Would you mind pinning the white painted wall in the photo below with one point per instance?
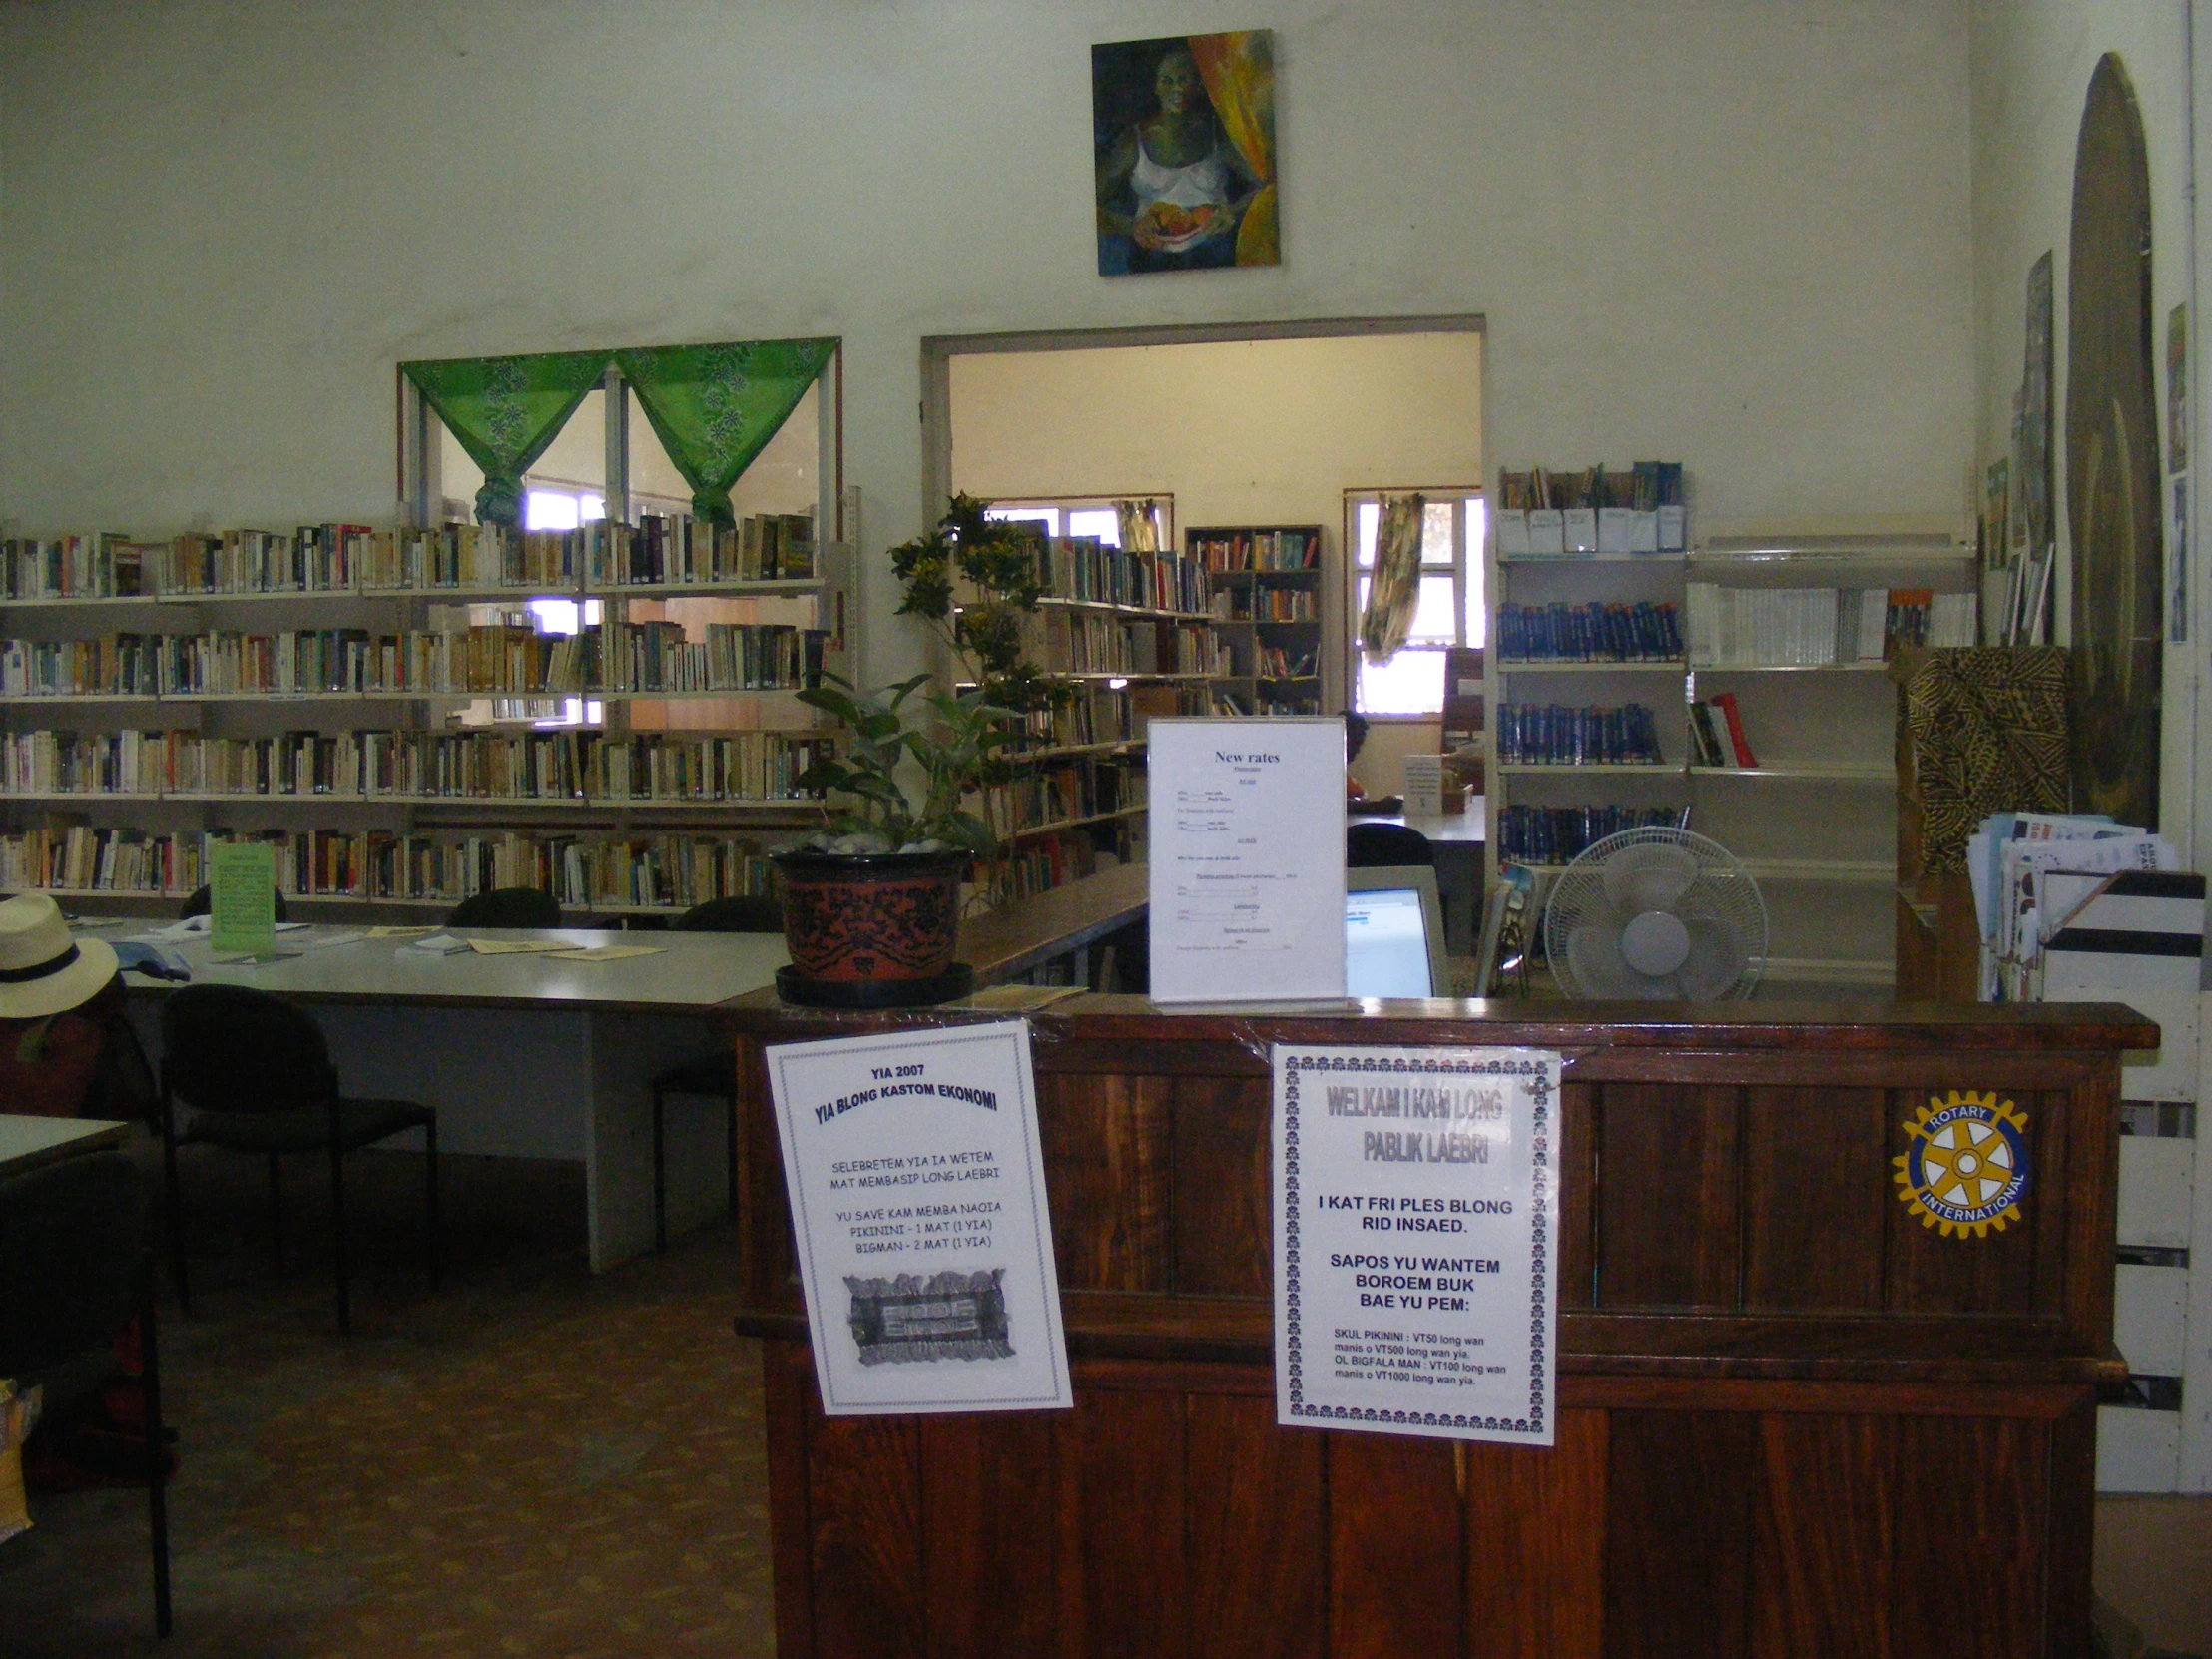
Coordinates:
(1730, 231)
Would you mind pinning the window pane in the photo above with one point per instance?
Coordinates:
(593, 507)
(1046, 519)
(1435, 533)
(1411, 683)
(549, 510)
(1365, 517)
(554, 616)
(1433, 617)
(1102, 522)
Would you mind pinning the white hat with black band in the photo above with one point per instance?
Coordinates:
(43, 970)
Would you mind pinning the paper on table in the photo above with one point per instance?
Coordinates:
(399, 932)
(519, 947)
(607, 952)
(440, 944)
(326, 941)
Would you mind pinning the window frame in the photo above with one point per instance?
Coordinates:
(1065, 504)
(1469, 587)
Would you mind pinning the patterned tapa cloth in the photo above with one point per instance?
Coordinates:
(1987, 728)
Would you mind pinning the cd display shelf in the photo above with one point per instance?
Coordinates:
(652, 846)
(1814, 821)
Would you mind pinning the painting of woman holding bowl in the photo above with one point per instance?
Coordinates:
(1185, 134)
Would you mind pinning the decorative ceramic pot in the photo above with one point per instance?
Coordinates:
(872, 930)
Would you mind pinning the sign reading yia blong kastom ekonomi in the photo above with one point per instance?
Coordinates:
(916, 1185)
(1415, 1240)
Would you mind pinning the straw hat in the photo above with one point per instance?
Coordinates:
(42, 969)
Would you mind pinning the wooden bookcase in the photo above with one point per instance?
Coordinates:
(1264, 586)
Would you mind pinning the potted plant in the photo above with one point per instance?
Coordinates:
(872, 902)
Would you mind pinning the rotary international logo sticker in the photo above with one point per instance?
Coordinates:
(1965, 1165)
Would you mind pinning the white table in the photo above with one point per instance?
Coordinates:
(28, 1140)
(524, 1056)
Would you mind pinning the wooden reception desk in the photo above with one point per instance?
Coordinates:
(1794, 1421)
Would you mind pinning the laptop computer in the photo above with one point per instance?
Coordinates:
(1395, 933)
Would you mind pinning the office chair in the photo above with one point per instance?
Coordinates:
(74, 1267)
(711, 1074)
(200, 902)
(255, 1075)
(507, 908)
(1385, 846)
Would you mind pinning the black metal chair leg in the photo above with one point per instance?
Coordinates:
(436, 1247)
(157, 1443)
(659, 1175)
(337, 1232)
(277, 1213)
(172, 1209)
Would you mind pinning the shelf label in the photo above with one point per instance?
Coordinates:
(1417, 1219)
(916, 1185)
(1247, 832)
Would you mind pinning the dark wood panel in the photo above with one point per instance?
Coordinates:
(1816, 1179)
(864, 1503)
(1223, 1222)
(1679, 1489)
(1970, 1507)
(2070, 1530)
(1393, 1521)
(2053, 1131)
(1667, 1196)
(989, 1515)
(1535, 1534)
(1257, 1531)
(1823, 1537)
(1578, 1114)
(787, 1386)
(1128, 1504)
(1962, 1273)
(1106, 1151)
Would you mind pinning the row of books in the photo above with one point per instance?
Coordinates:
(1645, 488)
(1554, 835)
(1078, 643)
(1085, 569)
(1717, 733)
(1645, 632)
(668, 871)
(1259, 603)
(1555, 735)
(1029, 868)
(578, 767)
(639, 657)
(1816, 626)
(660, 550)
(1051, 796)
(1275, 663)
(1257, 549)
(1231, 704)
(1547, 515)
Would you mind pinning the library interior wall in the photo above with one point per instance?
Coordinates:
(1733, 232)
(2030, 66)
(1267, 431)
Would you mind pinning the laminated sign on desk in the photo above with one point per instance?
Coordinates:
(916, 1185)
(1417, 1219)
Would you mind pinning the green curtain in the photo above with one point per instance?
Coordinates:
(716, 406)
(504, 411)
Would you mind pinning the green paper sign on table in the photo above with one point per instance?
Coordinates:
(243, 898)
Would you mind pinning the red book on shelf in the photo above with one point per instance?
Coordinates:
(1725, 703)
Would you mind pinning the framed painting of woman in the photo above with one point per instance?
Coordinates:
(1184, 129)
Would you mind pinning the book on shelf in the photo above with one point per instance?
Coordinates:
(1557, 835)
(1820, 627)
(1556, 734)
(1257, 550)
(1597, 632)
(1732, 718)
(1717, 733)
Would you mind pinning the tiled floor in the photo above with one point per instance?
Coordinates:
(530, 1462)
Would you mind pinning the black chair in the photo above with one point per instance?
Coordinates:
(74, 1267)
(255, 1075)
(712, 1075)
(200, 900)
(1385, 847)
(507, 908)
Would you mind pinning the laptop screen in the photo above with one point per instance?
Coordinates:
(1385, 943)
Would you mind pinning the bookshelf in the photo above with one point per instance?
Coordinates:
(389, 709)
(1263, 590)
(1778, 625)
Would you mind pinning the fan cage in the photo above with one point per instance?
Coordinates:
(1721, 878)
